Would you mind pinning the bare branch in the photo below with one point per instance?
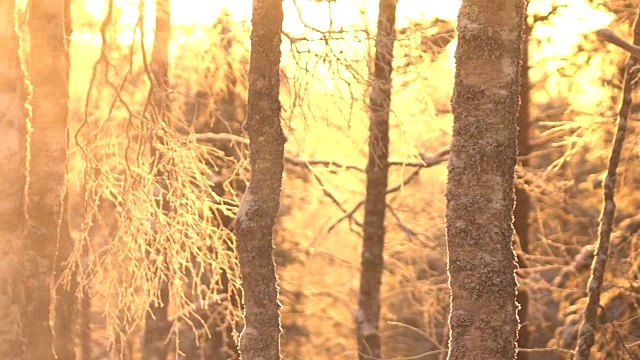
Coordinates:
(426, 160)
(305, 163)
(609, 36)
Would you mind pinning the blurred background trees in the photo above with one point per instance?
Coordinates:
(141, 222)
(48, 241)
(13, 179)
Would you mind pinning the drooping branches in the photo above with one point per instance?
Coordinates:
(157, 323)
(148, 219)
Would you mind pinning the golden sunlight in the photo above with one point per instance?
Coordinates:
(572, 18)
(170, 117)
(298, 13)
(563, 29)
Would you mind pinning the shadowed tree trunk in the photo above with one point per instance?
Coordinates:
(157, 322)
(481, 262)
(523, 202)
(48, 239)
(13, 149)
(259, 207)
(368, 314)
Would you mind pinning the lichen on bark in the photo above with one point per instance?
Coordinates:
(480, 191)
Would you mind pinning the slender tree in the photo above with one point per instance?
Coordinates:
(368, 314)
(157, 323)
(481, 262)
(259, 207)
(590, 324)
(14, 91)
(48, 239)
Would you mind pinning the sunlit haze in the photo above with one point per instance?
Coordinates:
(382, 164)
(558, 36)
(314, 13)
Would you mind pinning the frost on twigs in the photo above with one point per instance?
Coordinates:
(129, 242)
(143, 245)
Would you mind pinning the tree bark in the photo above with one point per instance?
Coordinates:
(523, 201)
(157, 322)
(14, 91)
(372, 260)
(260, 204)
(48, 239)
(481, 262)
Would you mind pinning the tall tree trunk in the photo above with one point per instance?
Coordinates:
(157, 323)
(481, 262)
(368, 314)
(48, 239)
(14, 91)
(259, 207)
(523, 202)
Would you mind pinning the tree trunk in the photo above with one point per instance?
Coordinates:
(481, 262)
(260, 204)
(368, 314)
(48, 240)
(13, 149)
(157, 323)
(523, 202)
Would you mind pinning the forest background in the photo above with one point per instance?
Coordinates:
(137, 244)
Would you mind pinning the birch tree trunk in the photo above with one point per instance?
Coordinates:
(48, 240)
(13, 149)
(372, 260)
(259, 207)
(481, 262)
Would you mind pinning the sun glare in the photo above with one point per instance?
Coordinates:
(298, 13)
(559, 34)
(571, 20)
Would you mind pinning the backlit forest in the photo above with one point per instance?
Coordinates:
(319, 179)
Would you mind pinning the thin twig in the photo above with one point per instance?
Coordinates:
(401, 224)
(332, 197)
(617, 333)
(396, 188)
